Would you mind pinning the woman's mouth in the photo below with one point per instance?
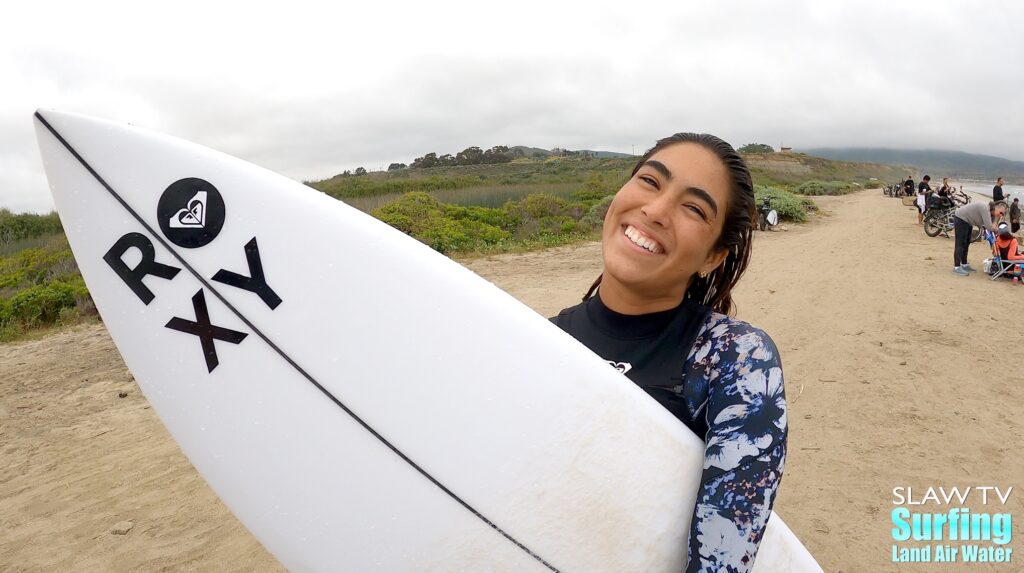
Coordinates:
(633, 235)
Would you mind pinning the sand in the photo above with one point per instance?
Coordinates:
(897, 374)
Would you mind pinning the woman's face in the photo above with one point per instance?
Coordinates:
(662, 226)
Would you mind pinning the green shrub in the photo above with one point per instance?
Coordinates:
(42, 304)
(594, 219)
(26, 225)
(366, 186)
(789, 206)
(538, 205)
(825, 188)
(595, 190)
(499, 218)
(445, 228)
(37, 265)
(5, 311)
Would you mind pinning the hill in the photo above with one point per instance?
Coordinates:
(791, 169)
(939, 163)
(784, 170)
(536, 152)
(523, 151)
(605, 154)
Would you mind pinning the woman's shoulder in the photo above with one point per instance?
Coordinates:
(728, 339)
(725, 328)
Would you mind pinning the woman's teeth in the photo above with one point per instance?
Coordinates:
(638, 239)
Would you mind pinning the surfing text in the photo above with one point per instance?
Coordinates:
(993, 529)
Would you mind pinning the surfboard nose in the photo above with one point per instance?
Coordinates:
(56, 119)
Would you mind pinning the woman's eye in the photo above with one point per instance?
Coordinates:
(649, 180)
(696, 209)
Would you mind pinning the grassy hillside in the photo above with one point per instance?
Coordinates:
(937, 163)
(522, 205)
(519, 172)
(792, 169)
(777, 169)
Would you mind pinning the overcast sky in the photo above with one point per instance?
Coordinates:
(309, 90)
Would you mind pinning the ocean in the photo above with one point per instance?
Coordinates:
(984, 189)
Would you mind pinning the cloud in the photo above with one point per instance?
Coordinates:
(309, 92)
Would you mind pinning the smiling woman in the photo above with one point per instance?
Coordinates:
(675, 241)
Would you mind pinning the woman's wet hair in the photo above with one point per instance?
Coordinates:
(715, 290)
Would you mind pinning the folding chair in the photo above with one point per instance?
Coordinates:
(1002, 266)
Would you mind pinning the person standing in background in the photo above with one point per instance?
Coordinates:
(908, 186)
(944, 189)
(1015, 215)
(997, 191)
(924, 192)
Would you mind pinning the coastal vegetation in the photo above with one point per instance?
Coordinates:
(40, 286)
(499, 200)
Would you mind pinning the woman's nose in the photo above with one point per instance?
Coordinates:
(657, 209)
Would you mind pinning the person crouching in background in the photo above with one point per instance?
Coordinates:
(1006, 248)
(964, 220)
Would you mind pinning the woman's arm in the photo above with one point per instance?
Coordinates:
(1014, 251)
(745, 449)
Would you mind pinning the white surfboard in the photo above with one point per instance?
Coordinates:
(359, 401)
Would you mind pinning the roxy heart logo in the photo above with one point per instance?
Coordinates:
(193, 215)
(191, 212)
(621, 366)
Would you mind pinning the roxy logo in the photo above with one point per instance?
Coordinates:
(622, 367)
(191, 212)
(193, 215)
(201, 327)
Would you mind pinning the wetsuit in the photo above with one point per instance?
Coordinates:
(722, 378)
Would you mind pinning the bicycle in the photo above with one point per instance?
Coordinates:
(766, 216)
(938, 220)
(959, 197)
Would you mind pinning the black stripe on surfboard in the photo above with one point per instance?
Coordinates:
(282, 354)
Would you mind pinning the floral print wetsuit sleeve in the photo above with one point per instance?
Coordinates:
(734, 375)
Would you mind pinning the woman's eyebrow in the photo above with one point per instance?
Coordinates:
(705, 196)
(659, 167)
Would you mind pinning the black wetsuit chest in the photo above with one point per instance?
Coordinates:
(650, 349)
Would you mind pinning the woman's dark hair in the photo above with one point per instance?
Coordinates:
(715, 290)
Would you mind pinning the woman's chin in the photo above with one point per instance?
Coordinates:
(636, 281)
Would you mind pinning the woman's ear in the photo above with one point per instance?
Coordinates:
(714, 260)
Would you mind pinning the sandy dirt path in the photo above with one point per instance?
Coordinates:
(895, 376)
